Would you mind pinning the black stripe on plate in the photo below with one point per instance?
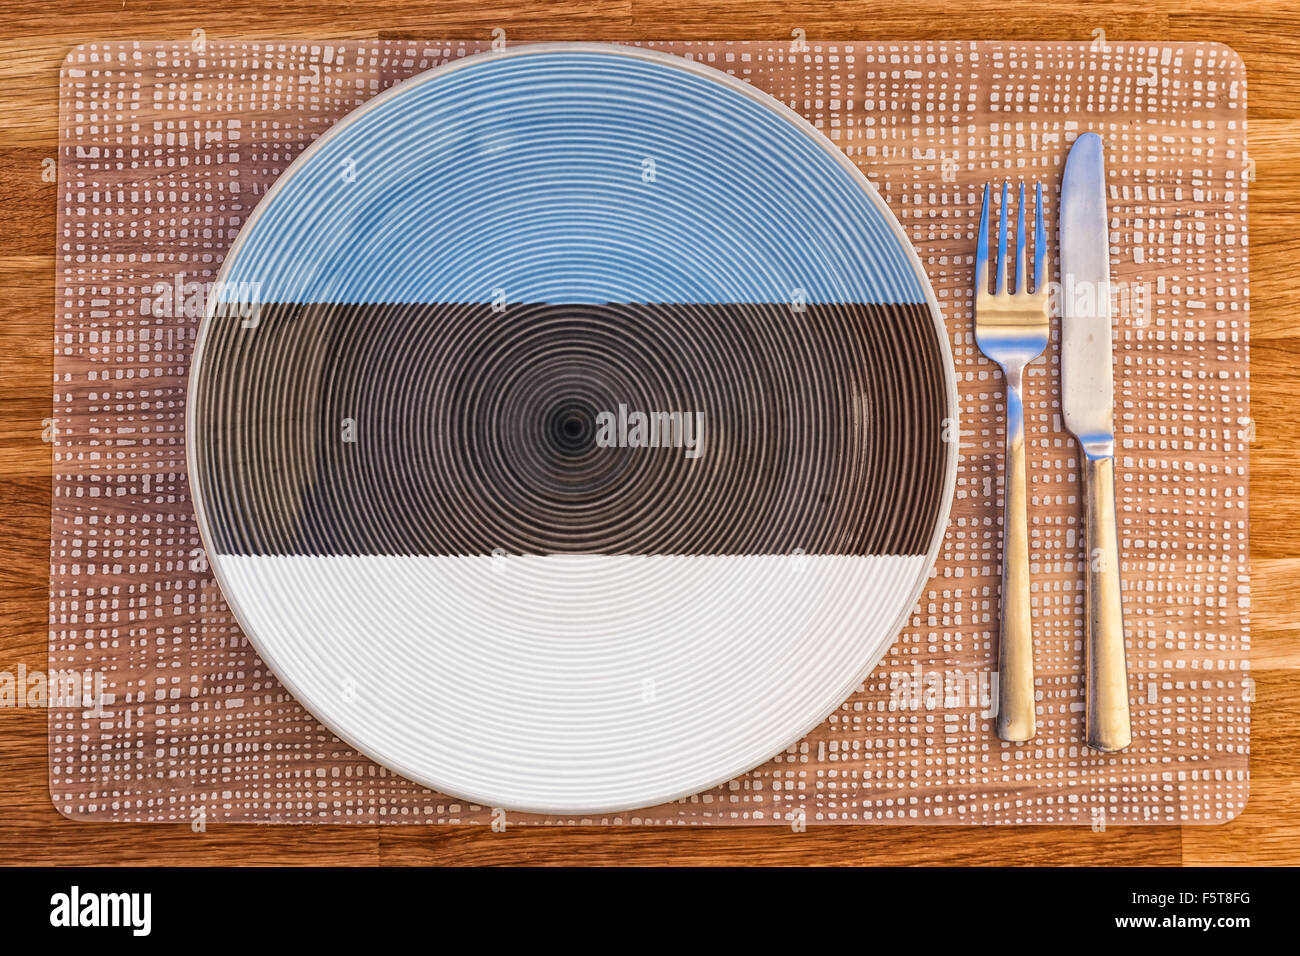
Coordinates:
(455, 429)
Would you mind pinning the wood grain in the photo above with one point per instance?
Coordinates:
(33, 41)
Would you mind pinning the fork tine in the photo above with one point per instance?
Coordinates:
(1021, 278)
(982, 248)
(1001, 274)
(1040, 244)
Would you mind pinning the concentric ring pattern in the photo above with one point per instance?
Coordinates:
(568, 428)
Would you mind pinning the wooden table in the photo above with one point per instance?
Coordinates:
(33, 41)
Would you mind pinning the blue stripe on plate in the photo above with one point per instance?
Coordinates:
(524, 177)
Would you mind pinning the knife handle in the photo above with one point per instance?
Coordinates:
(1016, 718)
(1108, 725)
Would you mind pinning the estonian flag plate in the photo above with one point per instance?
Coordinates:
(573, 428)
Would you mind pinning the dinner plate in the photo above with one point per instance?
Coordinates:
(572, 428)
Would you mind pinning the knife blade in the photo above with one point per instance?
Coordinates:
(1087, 405)
(1087, 384)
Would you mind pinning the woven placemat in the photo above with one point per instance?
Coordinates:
(160, 710)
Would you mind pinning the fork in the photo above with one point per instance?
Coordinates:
(1011, 329)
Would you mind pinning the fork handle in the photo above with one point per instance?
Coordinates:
(1016, 718)
(1108, 726)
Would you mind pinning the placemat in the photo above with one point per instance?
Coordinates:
(160, 710)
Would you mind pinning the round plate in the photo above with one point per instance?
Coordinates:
(568, 428)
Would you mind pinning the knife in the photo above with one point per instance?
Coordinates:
(1088, 402)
